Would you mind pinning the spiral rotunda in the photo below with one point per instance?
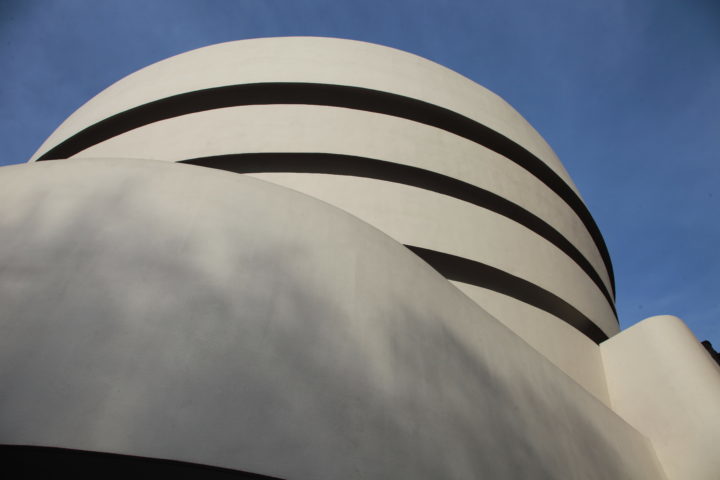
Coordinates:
(409, 270)
(434, 160)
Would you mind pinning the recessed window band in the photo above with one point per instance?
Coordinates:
(481, 275)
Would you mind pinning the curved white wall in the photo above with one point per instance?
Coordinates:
(560, 343)
(662, 381)
(185, 313)
(561, 258)
(310, 128)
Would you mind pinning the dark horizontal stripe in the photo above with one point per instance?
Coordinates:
(337, 96)
(51, 462)
(481, 275)
(393, 172)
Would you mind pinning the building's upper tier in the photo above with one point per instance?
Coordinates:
(311, 60)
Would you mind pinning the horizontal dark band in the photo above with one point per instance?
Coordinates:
(337, 96)
(481, 275)
(52, 462)
(393, 172)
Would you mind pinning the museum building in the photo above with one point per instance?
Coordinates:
(310, 258)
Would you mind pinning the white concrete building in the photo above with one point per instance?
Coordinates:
(385, 272)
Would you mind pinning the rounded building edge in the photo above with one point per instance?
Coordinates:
(144, 328)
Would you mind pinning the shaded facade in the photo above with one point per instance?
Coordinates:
(403, 281)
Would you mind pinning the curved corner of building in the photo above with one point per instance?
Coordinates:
(662, 381)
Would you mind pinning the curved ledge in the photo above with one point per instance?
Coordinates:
(336, 164)
(338, 96)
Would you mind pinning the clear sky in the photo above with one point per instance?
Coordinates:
(627, 92)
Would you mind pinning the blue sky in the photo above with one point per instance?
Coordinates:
(627, 92)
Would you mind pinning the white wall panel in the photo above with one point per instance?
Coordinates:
(664, 383)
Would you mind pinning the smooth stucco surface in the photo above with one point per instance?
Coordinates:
(560, 343)
(178, 312)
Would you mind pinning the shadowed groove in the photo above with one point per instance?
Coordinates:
(337, 96)
(481, 275)
(351, 165)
